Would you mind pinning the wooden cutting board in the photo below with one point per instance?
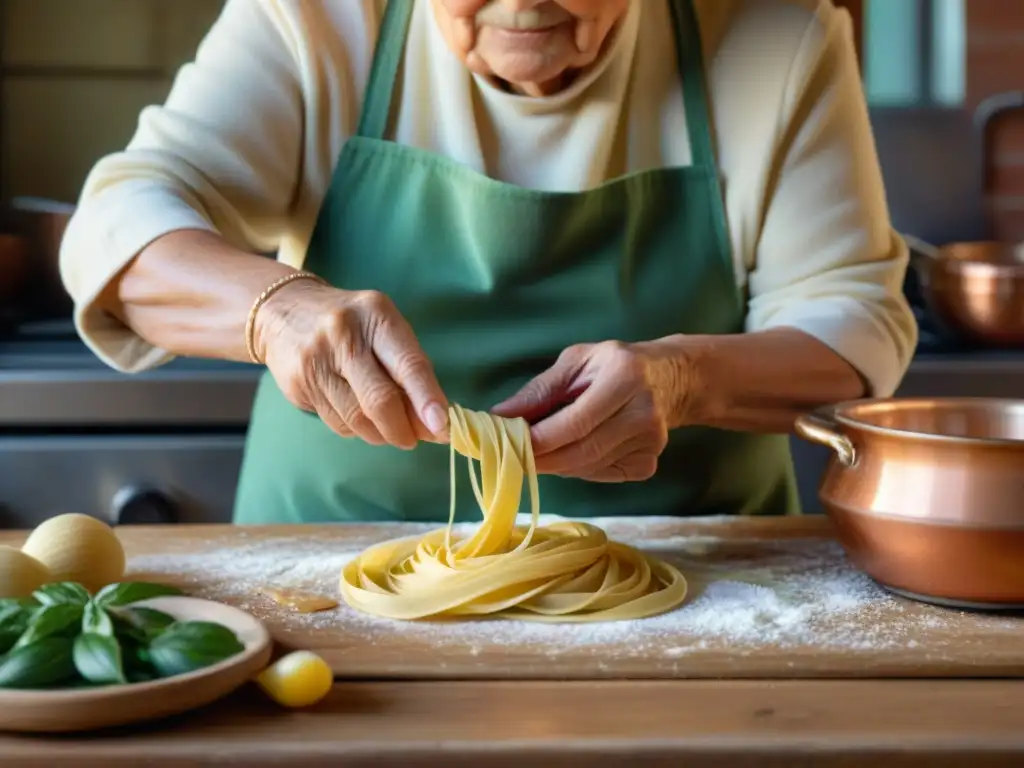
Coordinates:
(770, 598)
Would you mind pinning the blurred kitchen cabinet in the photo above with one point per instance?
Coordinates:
(76, 75)
(80, 33)
(57, 129)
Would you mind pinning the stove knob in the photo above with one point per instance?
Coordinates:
(142, 505)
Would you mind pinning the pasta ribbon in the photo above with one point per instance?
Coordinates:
(565, 572)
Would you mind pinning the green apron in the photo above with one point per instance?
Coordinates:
(496, 281)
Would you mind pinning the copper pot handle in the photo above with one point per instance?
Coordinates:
(820, 427)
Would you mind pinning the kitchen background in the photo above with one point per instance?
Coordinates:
(165, 446)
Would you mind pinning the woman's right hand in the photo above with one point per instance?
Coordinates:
(351, 357)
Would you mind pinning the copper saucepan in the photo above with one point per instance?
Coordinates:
(975, 289)
(927, 495)
(15, 267)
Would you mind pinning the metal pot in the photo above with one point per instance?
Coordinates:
(15, 267)
(43, 222)
(976, 290)
(31, 230)
(927, 495)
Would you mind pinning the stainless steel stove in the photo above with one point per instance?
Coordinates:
(75, 436)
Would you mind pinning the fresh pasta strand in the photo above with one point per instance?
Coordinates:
(566, 572)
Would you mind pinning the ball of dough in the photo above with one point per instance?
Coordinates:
(20, 574)
(78, 548)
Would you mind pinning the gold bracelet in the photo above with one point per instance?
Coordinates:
(274, 287)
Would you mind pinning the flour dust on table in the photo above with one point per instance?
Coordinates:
(747, 595)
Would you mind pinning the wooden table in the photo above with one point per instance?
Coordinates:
(792, 723)
(693, 723)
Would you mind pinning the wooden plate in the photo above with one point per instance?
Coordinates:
(91, 708)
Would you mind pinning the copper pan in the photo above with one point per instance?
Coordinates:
(15, 267)
(43, 222)
(976, 289)
(927, 495)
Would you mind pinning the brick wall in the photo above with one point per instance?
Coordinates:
(995, 64)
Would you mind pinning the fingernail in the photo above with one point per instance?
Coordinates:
(436, 419)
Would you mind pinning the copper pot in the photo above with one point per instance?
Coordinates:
(975, 289)
(927, 495)
(43, 222)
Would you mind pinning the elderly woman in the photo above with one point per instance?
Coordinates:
(656, 229)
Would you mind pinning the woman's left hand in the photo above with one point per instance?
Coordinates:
(602, 412)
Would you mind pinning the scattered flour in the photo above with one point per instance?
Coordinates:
(746, 596)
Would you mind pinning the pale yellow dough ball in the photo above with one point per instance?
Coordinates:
(78, 548)
(20, 574)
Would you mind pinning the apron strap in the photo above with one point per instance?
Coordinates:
(387, 59)
(695, 94)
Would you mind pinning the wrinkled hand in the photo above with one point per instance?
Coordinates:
(620, 400)
(351, 357)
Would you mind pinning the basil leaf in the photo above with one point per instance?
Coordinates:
(190, 645)
(96, 620)
(12, 626)
(10, 614)
(128, 592)
(98, 658)
(205, 633)
(23, 603)
(136, 660)
(66, 592)
(44, 663)
(50, 620)
(15, 615)
(141, 623)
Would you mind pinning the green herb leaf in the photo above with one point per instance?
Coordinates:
(9, 614)
(141, 623)
(50, 620)
(44, 663)
(96, 620)
(205, 633)
(66, 592)
(190, 645)
(12, 626)
(135, 656)
(24, 603)
(98, 658)
(132, 592)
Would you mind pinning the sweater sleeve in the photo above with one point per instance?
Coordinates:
(828, 261)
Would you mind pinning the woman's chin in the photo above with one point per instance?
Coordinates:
(522, 65)
(534, 78)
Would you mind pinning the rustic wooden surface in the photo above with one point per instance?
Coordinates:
(937, 642)
(783, 724)
(498, 723)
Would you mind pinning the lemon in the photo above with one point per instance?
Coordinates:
(299, 679)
